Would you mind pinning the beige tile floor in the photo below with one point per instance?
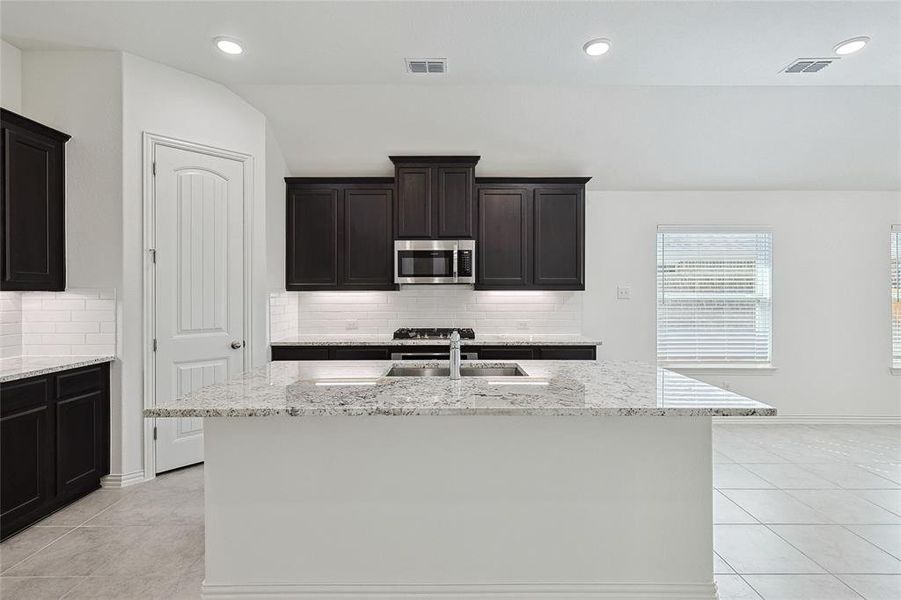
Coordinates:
(800, 512)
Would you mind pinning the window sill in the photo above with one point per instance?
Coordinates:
(723, 369)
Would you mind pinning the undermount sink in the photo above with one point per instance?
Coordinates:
(505, 371)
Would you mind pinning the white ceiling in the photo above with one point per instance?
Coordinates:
(690, 97)
(655, 43)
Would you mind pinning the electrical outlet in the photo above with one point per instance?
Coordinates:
(624, 292)
(351, 324)
(522, 325)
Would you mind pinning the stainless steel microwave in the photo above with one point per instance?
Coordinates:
(434, 261)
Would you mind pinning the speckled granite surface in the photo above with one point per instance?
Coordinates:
(21, 367)
(480, 340)
(553, 388)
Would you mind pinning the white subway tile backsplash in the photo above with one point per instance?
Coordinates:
(78, 321)
(487, 312)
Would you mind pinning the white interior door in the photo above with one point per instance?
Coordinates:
(199, 230)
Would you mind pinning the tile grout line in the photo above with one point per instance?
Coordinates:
(72, 528)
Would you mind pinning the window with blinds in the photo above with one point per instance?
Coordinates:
(896, 296)
(714, 296)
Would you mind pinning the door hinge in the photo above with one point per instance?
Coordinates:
(155, 345)
(154, 432)
(153, 168)
(152, 252)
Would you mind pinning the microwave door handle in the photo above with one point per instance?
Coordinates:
(456, 246)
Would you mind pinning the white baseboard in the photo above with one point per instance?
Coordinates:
(555, 591)
(121, 480)
(812, 420)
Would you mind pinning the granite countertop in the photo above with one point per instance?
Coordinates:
(21, 367)
(553, 388)
(480, 340)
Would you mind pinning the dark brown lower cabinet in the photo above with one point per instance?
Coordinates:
(385, 352)
(54, 436)
(507, 353)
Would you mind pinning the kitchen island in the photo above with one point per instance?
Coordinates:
(581, 479)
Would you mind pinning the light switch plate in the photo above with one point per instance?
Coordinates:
(624, 292)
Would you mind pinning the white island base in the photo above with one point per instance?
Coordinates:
(470, 507)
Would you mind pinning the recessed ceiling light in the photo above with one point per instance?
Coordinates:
(597, 47)
(851, 46)
(229, 45)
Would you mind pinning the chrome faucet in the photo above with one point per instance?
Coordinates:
(455, 355)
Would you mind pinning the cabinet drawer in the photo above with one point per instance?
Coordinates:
(77, 382)
(359, 353)
(23, 394)
(300, 353)
(567, 353)
(507, 353)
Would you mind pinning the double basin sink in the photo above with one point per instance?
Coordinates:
(500, 371)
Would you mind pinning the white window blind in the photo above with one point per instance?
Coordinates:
(896, 296)
(714, 296)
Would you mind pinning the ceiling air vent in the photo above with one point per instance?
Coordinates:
(809, 65)
(426, 66)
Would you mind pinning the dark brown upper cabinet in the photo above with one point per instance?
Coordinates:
(531, 233)
(339, 233)
(434, 197)
(32, 205)
(502, 248)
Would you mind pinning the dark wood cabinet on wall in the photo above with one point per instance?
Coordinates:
(54, 433)
(531, 233)
(339, 233)
(434, 197)
(32, 205)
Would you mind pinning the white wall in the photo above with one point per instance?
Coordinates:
(276, 170)
(802, 137)
(106, 100)
(80, 93)
(166, 101)
(10, 77)
(832, 336)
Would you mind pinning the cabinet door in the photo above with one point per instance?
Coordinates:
(414, 202)
(559, 247)
(80, 444)
(368, 243)
(26, 453)
(454, 202)
(312, 239)
(502, 248)
(33, 212)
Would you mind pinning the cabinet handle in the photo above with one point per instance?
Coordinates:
(236, 344)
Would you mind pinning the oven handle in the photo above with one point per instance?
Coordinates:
(428, 355)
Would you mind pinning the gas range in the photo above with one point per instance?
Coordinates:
(432, 333)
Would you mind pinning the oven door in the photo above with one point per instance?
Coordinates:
(425, 261)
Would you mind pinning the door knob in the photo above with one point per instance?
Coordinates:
(236, 344)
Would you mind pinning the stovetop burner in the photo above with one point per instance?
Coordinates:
(427, 333)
